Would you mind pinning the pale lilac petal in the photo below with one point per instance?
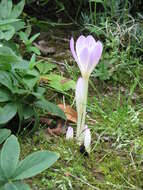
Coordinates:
(74, 53)
(72, 49)
(87, 139)
(90, 42)
(95, 56)
(80, 44)
(84, 60)
(69, 133)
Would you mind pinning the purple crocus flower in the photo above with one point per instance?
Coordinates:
(86, 53)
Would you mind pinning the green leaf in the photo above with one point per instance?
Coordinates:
(5, 66)
(7, 112)
(8, 21)
(8, 56)
(5, 80)
(32, 72)
(23, 65)
(39, 94)
(18, 25)
(10, 156)
(30, 81)
(45, 67)
(60, 83)
(5, 8)
(35, 163)
(17, 10)
(4, 95)
(34, 37)
(9, 186)
(3, 179)
(33, 49)
(32, 61)
(27, 112)
(50, 107)
(23, 36)
(16, 186)
(20, 112)
(6, 32)
(4, 134)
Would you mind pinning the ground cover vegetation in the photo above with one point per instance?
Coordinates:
(38, 78)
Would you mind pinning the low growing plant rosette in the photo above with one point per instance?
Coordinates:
(87, 53)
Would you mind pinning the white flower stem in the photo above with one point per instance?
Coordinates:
(78, 125)
(82, 114)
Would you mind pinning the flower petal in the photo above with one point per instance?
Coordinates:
(72, 49)
(90, 42)
(95, 56)
(69, 133)
(80, 44)
(74, 53)
(84, 60)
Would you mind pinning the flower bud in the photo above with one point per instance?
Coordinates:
(69, 133)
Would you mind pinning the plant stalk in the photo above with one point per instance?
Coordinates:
(82, 114)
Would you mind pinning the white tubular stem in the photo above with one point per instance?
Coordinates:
(83, 114)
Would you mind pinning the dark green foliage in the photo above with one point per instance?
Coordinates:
(12, 170)
(9, 22)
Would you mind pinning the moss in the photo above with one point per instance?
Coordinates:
(104, 168)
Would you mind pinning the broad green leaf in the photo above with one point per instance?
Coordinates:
(8, 21)
(35, 163)
(5, 66)
(30, 81)
(4, 95)
(5, 8)
(23, 65)
(27, 112)
(5, 80)
(50, 107)
(45, 67)
(8, 56)
(2, 175)
(33, 49)
(17, 10)
(16, 186)
(7, 112)
(22, 186)
(32, 72)
(60, 83)
(4, 134)
(13, 46)
(6, 32)
(10, 156)
(9, 186)
(39, 94)
(18, 25)
(1, 184)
